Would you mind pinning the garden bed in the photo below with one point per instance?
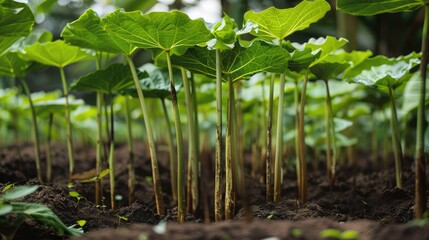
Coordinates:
(363, 199)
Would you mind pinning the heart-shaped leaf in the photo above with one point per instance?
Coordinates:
(157, 83)
(381, 71)
(113, 79)
(58, 54)
(365, 7)
(87, 32)
(16, 21)
(238, 63)
(277, 24)
(173, 32)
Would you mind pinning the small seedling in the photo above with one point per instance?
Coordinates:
(121, 218)
(77, 196)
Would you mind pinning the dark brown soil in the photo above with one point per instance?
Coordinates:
(363, 199)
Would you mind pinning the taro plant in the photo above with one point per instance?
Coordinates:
(387, 73)
(59, 54)
(258, 57)
(268, 26)
(157, 85)
(330, 68)
(362, 7)
(111, 80)
(166, 34)
(90, 31)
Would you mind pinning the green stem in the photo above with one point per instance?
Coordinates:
(48, 149)
(297, 140)
(111, 156)
(68, 124)
(131, 164)
(268, 156)
(330, 135)
(98, 187)
(396, 142)
(279, 142)
(98, 147)
(35, 131)
(229, 152)
(302, 151)
(154, 160)
(218, 154)
(420, 181)
(193, 151)
(173, 163)
(179, 142)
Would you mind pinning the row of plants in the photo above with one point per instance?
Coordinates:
(216, 69)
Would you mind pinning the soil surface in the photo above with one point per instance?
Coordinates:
(363, 202)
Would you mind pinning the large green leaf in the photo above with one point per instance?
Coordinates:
(238, 63)
(86, 32)
(373, 7)
(172, 32)
(58, 54)
(381, 71)
(277, 24)
(224, 33)
(16, 21)
(113, 79)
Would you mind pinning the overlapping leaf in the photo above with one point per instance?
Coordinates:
(172, 32)
(224, 33)
(113, 79)
(16, 21)
(381, 71)
(58, 53)
(11, 65)
(277, 24)
(87, 32)
(366, 7)
(238, 63)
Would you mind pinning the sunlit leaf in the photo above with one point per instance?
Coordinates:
(16, 21)
(87, 32)
(113, 79)
(238, 63)
(373, 7)
(58, 53)
(172, 32)
(277, 24)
